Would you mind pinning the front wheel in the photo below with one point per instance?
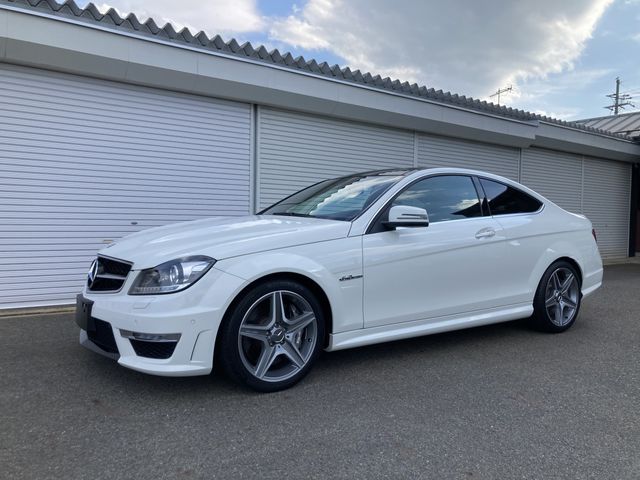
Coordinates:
(272, 336)
(557, 301)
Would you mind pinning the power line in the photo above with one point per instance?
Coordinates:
(620, 100)
(632, 90)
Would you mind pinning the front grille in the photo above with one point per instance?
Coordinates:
(101, 333)
(161, 350)
(108, 275)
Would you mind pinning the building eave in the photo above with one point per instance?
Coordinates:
(585, 143)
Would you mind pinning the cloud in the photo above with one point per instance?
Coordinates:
(470, 47)
(566, 96)
(538, 89)
(300, 34)
(213, 16)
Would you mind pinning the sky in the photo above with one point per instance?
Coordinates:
(561, 58)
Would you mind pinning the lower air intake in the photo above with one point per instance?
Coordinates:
(159, 350)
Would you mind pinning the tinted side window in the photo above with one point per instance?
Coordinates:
(444, 197)
(504, 200)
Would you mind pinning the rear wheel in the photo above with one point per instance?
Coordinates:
(273, 336)
(557, 301)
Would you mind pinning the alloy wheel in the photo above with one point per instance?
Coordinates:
(562, 296)
(277, 336)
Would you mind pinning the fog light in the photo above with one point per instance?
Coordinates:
(150, 337)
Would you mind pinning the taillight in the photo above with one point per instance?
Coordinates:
(593, 232)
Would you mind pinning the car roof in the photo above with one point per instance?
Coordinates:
(407, 171)
(417, 172)
(434, 170)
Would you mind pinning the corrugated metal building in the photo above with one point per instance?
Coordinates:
(625, 124)
(110, 126)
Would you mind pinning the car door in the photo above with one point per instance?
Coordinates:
(435, 271)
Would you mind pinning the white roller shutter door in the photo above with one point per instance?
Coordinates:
(607, 193)
(599, 189)
(556, 175)
(296, 150)
(448, 152)
(83, 162)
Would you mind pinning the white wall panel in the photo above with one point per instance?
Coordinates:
(84, 161)
(449, 152)
(296, 150)
(556, 175)
(599, 189)
(607, 193)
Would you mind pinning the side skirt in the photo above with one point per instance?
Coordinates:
(400, 331)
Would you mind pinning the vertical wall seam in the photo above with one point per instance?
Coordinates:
(415, 149)
(630, 199)
(520, 165)
(255, 163)
(4, 27)
(582, 160)
(252, 159)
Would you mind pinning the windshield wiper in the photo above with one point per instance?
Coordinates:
(291, 214)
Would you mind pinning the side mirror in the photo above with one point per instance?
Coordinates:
(406, 216)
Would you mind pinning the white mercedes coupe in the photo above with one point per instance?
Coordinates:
(357, 260)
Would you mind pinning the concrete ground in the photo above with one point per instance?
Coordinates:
(498, 402)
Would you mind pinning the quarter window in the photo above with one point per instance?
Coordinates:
(443, 197)
(504, 200)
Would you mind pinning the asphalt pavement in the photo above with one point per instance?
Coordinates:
(497, 402)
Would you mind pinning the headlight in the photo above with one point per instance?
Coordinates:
(171, 276)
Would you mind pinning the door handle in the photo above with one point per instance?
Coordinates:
(485, 233)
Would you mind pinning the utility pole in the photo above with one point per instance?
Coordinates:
(500, 91)
(619, 100)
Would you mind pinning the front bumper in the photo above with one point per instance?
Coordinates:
(188, 320)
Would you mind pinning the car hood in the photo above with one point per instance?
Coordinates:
(222, 237)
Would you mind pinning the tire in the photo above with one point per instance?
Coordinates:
(557, 301)
(272, 337)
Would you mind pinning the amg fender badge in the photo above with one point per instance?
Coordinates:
(349, 277)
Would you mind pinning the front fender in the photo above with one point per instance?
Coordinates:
(324, 263)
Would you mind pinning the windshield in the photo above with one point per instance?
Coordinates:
(337, 199)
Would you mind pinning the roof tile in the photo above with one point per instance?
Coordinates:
(92, 13)
(262, 52)
(218, 43)
(202, 38)
(114, 16)
(70, 6)
(325, 68)
(233, 45)
(185, 34)
(152, 26)
(133, 22)
(247, 49)
(169, 31)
